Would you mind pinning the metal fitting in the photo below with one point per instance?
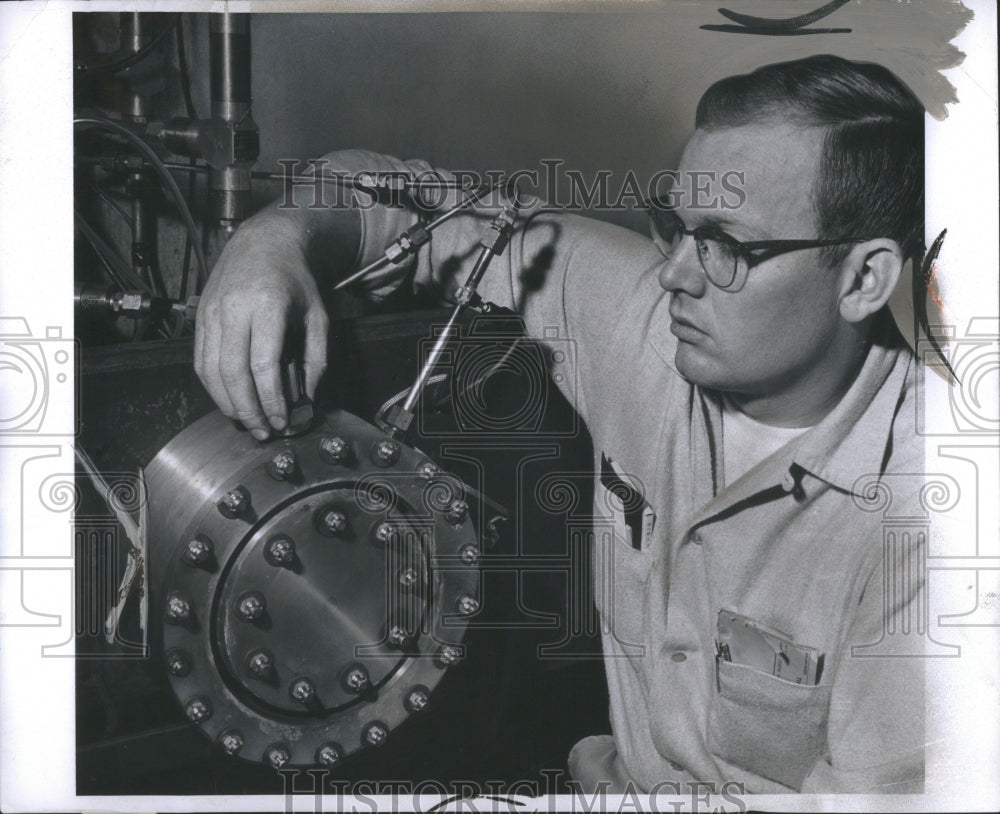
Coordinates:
(384, 532)
(178, 663)
(251, 606)
(417, 700)
(356, 679)
(469, 554)
(457, 512)
(428, 470)
(198, 710)
(328, 754)
(282, 466)
(334, 522)
(198, 552)
(231, 741)
(448, 655)
(408, 577)
(277, 755)
(398, 636)
(178, 610)
(467, 604)
(235, 503)
(280, 551)
(386, 452)
(335, 449)
(260, 663)
(302, 690)
(375, 734)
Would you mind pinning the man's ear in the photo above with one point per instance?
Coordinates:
(870, 273)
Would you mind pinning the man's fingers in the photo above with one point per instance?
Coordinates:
(208, 341)
(314, 356)
(234, 372)
(266, 339)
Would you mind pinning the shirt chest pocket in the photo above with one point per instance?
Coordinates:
(620, 573)
(767, 725)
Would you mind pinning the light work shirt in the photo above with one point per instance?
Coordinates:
(798, 545)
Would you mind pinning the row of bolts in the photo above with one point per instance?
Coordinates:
(281, 551)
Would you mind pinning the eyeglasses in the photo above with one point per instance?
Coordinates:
(724, 259)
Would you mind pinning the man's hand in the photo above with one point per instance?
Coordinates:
(260, 287)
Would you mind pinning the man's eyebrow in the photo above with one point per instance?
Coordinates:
(722, 223)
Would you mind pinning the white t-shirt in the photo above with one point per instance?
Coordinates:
(745, 442)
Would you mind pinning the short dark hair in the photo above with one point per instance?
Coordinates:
(871, 180)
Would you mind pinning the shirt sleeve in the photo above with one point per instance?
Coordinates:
(567, 276)
(876, 735)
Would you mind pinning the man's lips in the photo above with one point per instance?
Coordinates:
(684, 329)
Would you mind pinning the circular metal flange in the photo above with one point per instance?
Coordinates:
(352, 564)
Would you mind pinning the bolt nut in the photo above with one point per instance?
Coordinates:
(198, 710)
(251, 606)
(277, 755)
(260, 663)
(178, 663)
(302, 690)
(178, 610)
(334, 522)
(384, 532)
(197, 552)
(408, 577)
(375, 734)
(457, 512)
(235, 503)
(335, 449)
(417, 700)
(467, 604)
(397, 636)
(231, 741)
(356, 679)
(469, 554)
(449, 655)
(329, 754)
(282, 466)
(280, 551)
(428, 470)
(386, 452)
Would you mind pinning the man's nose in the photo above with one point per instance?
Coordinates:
(682, 270)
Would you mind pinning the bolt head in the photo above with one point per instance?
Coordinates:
(178, 610)
(302, 690)
(260, 663)
(234, 503)
(384, 532)
(251, 607)
(197, 710)
(335, 448)
(178, 663)
(428, 470)
(334, 522)
(197, 552)
(417, 700)
(277, 756)
(356, 679)
(457, 512)
(469, 554)
(282, 465)
(467, 604)
(408, 577)
(280, 551)
(231, 742)
(449, 655)
(328, 754)
(386, 452)
(375, 734)
(397, 636)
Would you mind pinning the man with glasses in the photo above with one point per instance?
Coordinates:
(742, 381)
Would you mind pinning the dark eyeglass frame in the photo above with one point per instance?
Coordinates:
(741, 250)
